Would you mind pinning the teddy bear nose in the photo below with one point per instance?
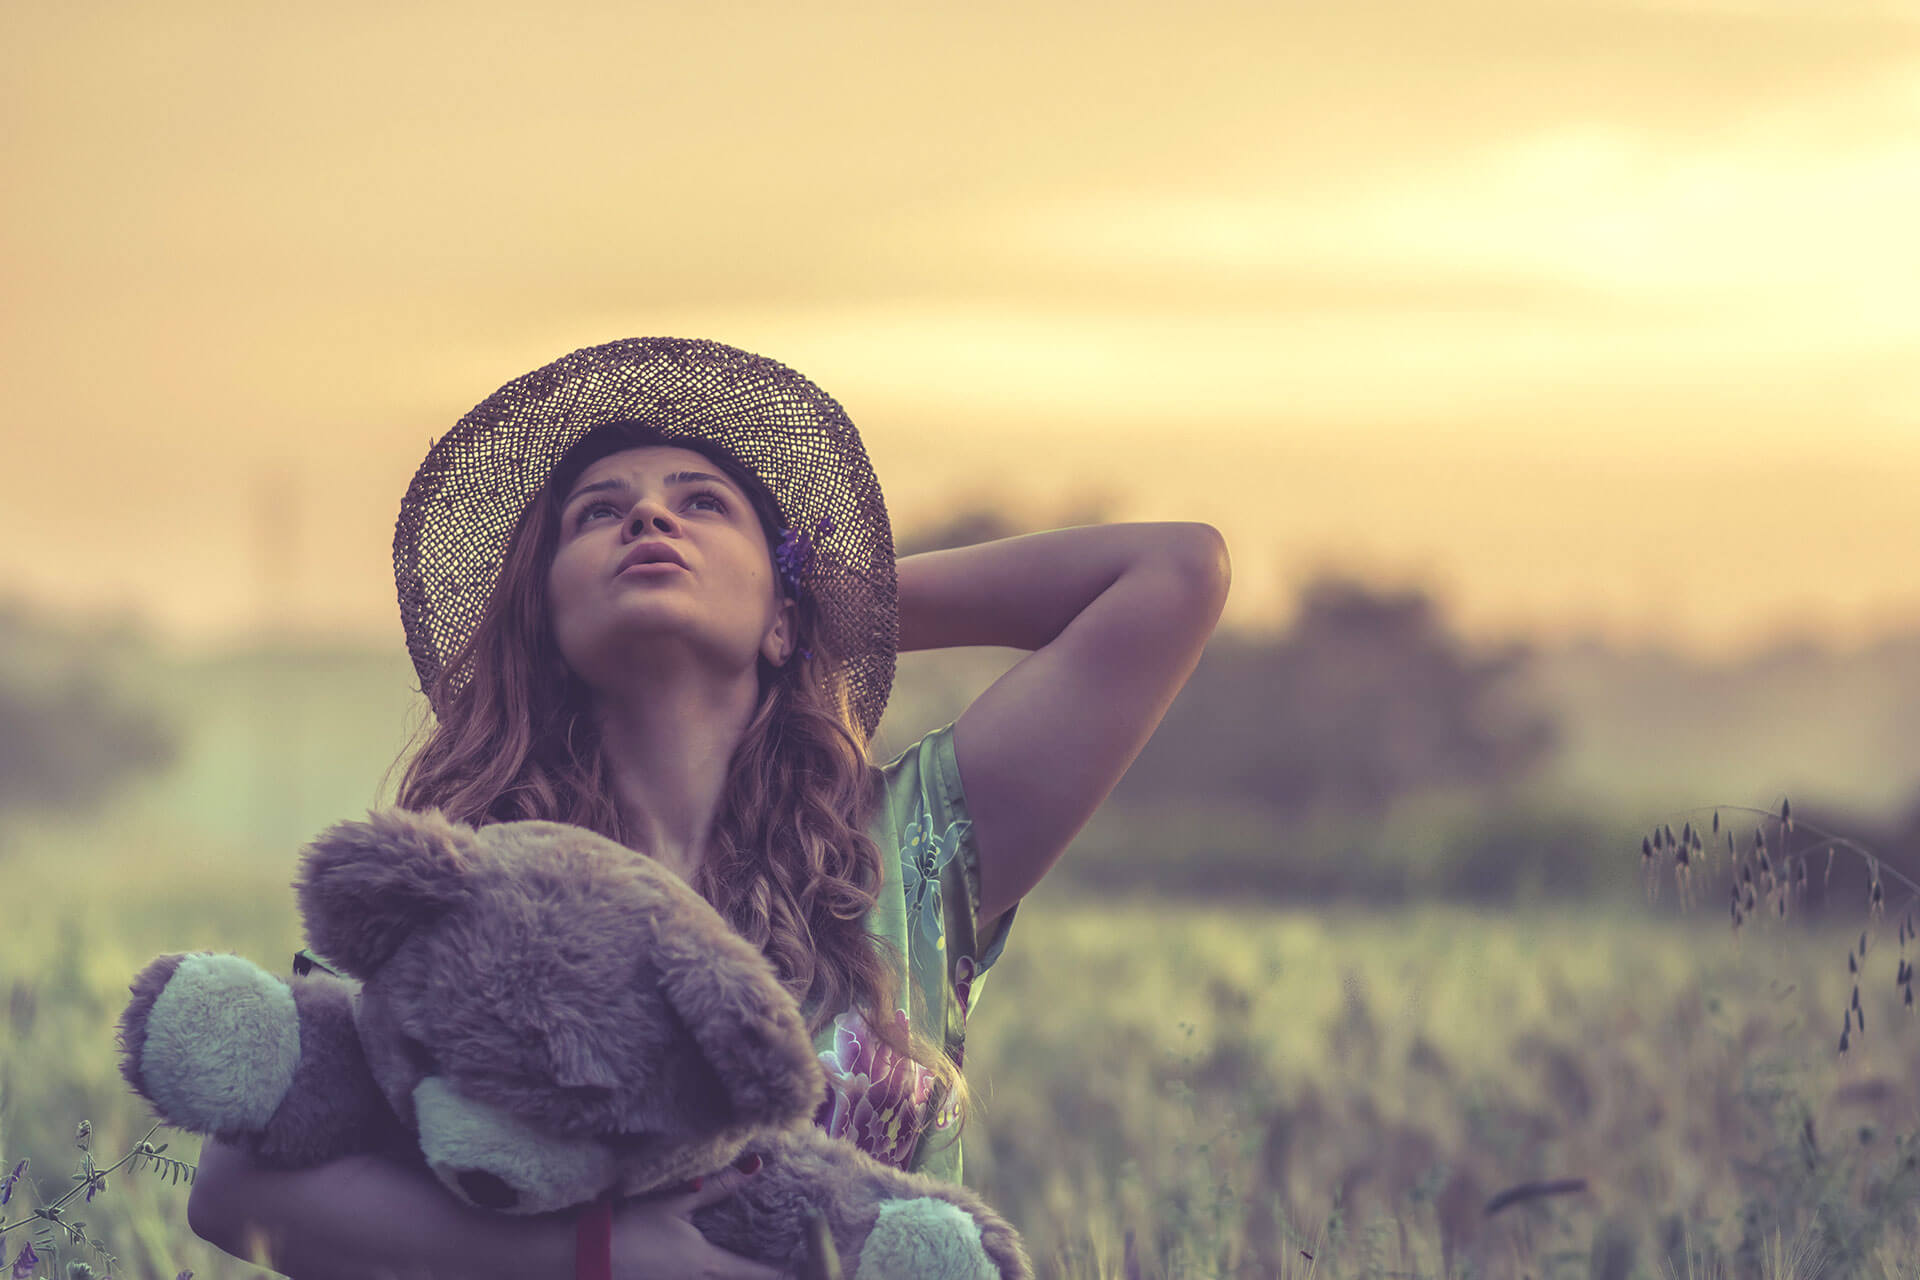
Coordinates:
(486, 1190)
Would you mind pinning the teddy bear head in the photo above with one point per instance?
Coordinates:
(555, 1015)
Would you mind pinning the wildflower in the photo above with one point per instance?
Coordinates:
(6, 1183)
(82, 1134)
(27, 1263)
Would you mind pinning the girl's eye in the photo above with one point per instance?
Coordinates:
(603, 505)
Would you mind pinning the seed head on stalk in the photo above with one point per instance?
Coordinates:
(1773, 871)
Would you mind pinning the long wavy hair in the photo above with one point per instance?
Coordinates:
(788, 864)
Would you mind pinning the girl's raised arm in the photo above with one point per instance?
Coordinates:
(1117, 616)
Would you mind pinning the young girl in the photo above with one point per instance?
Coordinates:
(650, 589)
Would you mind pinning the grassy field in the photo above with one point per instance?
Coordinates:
(1226, 1091)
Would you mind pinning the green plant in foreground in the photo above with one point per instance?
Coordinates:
(51, 1221)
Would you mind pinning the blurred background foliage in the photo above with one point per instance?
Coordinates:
(74, 728)
(1364, 751)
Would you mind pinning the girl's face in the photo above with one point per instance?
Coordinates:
(727, 605)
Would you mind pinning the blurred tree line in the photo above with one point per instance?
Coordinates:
(1366, 699)
(71, 733)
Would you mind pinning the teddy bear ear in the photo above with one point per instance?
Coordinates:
(364, 886)
(747, 1027)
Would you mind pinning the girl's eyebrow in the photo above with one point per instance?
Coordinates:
(620, 483)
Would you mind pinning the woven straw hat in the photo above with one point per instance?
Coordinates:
(469, 494)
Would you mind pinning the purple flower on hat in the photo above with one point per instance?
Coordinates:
(794, 555)
(795, 552)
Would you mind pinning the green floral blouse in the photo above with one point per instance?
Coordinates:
(882, 1104)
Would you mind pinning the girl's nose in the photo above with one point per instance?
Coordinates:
(641, 520)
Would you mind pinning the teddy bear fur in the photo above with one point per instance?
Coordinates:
(542, 1017)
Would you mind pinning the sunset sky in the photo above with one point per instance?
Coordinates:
(1596, 316)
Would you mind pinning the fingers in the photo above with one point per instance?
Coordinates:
(716, 1187)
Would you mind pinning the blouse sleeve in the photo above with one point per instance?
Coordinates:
(940, 866)
(961, 875)
(926, 812)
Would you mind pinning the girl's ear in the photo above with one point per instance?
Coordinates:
(365, 886)
(782, 640)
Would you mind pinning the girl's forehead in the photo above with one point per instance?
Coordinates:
(644, 457)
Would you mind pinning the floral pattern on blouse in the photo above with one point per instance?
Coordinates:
(925, 856)
(875, 1097)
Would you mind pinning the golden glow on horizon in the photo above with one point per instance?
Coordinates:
(1600, 315)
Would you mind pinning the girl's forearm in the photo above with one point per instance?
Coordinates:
(1021, 592)
(364, 1216)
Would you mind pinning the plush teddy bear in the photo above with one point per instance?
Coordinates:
(548, 1020)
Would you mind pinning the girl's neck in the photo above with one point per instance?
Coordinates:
(667, 759)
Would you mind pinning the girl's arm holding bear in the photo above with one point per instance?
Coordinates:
(369, 1215)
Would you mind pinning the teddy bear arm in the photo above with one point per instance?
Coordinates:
(220, 1046)
(334, 1106)
(886, 1224)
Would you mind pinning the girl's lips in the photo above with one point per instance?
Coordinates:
(651, 567)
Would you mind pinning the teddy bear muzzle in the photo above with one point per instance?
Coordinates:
(492, 1159)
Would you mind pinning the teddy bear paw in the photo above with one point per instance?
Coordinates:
(927, 1239)
(220, 1044)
